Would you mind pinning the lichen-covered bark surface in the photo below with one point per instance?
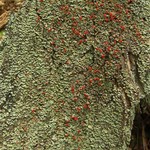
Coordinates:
(72, 73)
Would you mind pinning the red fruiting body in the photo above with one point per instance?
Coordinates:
(99, 49)
(129, 1)
(80, 18)
(86, 96)
(66, 135)
(33, 110)
(82, 87)
(102, 56)
(86, 32)
(72, 89)
(92, 16)
(67, 125)
(75, 118)
(78, 109)
(120, 40)
(75, 99)
(122, 27)
(75, 31)
(86, 106)
(38, 18)
(73, 18)
(93, 26)
(112, 16)
(79, 131)
(65, 50)
(90, 68)
(80, 42)
(108, 48)
(49, 30)
(96, 71)
(101, 4)
(96, 79)
(90, 80)
(106, 43)
(67, 121)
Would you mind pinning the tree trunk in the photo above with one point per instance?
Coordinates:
(73, 74)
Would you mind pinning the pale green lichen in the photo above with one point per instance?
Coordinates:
(35, 79)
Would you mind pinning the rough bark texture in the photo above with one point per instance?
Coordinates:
(72, 74)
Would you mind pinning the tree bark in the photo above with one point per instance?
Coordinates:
(72, 74)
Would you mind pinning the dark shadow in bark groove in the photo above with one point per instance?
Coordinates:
(140, 137)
